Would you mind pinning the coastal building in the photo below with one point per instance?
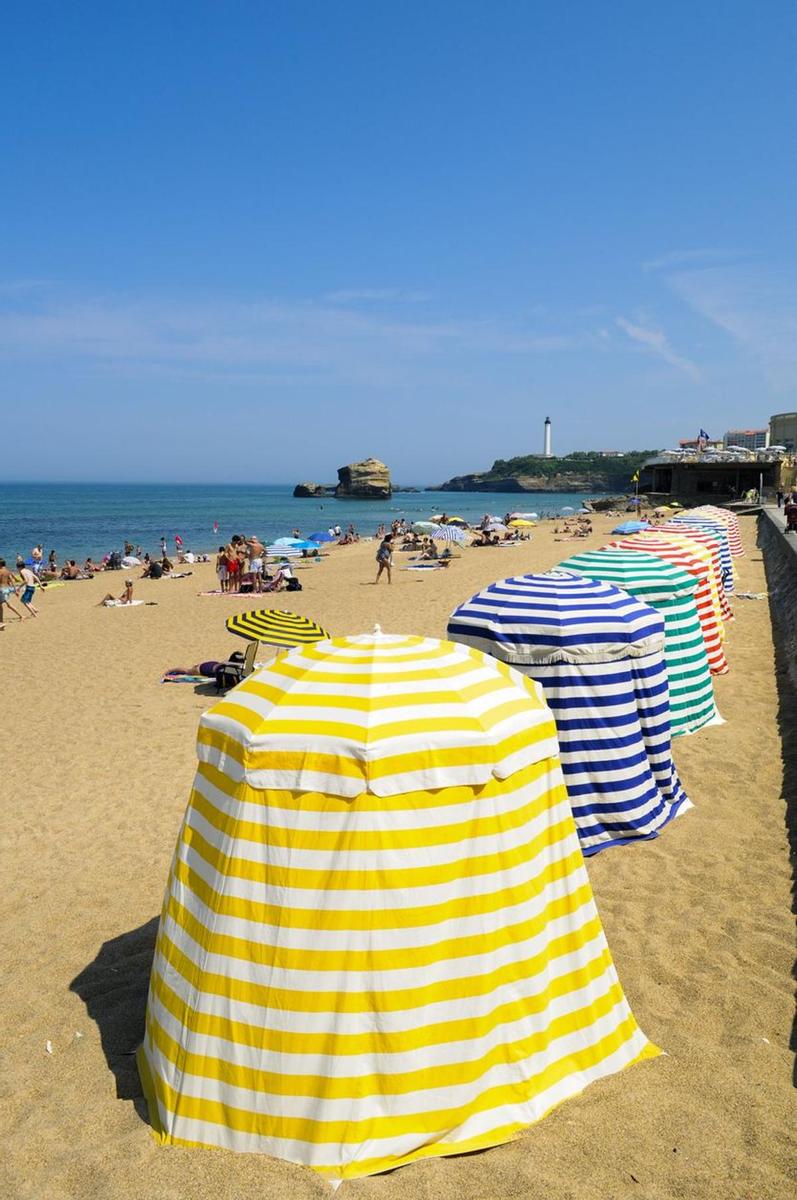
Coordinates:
(699, 478)
(749, 439)
(783, 430)
(547, 452)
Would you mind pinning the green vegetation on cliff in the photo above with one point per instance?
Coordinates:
(584, 470)
(617, 471)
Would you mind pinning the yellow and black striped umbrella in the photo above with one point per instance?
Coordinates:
(276, 627)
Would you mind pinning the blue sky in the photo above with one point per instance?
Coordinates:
(257, 240)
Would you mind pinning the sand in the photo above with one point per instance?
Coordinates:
(97, 760)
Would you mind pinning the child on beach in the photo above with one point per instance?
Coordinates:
(8, 588)
(29, 580)
(221, 568)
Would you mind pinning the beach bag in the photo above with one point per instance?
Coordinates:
(293, 585)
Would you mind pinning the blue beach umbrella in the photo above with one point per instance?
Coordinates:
(287, 541)
(598, 653)
(631, 527)
(321, 536)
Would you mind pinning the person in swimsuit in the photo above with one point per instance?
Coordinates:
(384, 558)
(111, 601)
(29, 580)
(8, 588)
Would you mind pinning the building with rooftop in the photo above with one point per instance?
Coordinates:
(749, 439)
(783, 430)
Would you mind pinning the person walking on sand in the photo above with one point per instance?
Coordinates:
(29, 580)
(7, 589)
(384, 557)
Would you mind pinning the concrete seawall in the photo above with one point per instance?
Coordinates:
(779, 551)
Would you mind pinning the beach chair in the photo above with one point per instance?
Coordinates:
(228, 674)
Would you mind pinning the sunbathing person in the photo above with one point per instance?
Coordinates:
(71, 570)
(275, 583)
(111, 601)
(207, 669)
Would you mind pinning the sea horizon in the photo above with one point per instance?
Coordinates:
(94, 518)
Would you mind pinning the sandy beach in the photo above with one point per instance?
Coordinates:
(98, 758)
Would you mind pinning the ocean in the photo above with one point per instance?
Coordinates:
(76, 519)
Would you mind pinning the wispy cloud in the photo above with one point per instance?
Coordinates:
(19, 287)
(755, 307)
(655, 341)
(268, 340)
(375, 295)
(689, 258)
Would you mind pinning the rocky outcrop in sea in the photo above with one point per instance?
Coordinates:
(367, 480)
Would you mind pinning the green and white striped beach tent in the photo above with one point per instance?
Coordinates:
(670, 589)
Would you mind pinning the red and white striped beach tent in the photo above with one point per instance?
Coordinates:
(670, 550)
(701, 537)
(728, 518)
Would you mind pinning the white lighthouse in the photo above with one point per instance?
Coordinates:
(547, 452)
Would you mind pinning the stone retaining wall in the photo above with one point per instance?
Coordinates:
(779, 552)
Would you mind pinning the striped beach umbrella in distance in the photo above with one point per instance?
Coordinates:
(449, 533)
(670, 590)
(690, 560)
(716, 529)
(275, 627)
(598, 654)
(691, 536)
(729, 520)
(378, 941)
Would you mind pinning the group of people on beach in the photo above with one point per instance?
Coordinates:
(22, 584)
(241, 567)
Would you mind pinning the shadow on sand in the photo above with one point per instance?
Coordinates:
(787, 728)
(114, 990)
(781, 581)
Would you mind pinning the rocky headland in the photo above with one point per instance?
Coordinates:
(582, 471)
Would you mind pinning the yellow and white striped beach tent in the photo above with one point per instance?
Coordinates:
(378, 941)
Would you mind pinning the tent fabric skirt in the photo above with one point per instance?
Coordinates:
(691, 690)
(356, 984)
(613, 723)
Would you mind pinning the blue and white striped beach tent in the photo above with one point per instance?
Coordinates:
(599, 655)
(719, 531)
